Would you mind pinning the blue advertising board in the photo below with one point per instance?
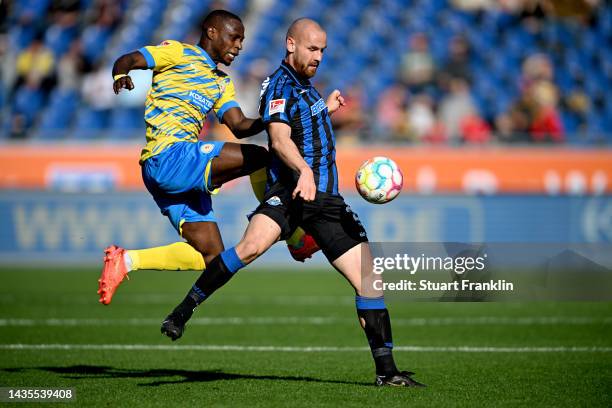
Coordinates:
(45, 227)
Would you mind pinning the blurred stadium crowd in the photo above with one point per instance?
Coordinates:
(416, 71)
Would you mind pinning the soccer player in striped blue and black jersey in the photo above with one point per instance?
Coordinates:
(302, 191)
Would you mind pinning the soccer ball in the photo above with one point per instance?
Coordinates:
(379, 180)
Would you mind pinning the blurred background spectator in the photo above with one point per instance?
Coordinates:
(35, 65)
(390, 113)
(457, 63)
(420, 71)
(348, 123)
(417, 67)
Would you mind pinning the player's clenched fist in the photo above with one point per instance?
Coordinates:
(334, 101)
(122, 81)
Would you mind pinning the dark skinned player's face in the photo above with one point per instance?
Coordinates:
(228, 43)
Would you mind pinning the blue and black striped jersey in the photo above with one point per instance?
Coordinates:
(287, 98)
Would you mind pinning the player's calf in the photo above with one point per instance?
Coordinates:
(220, 270)
(249, 249)
(223, 267)
(374, 318)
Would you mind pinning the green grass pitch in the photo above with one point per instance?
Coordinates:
(294, 341)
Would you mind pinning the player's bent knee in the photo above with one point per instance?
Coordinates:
(208, 253)
(249, 250)
(205, 241)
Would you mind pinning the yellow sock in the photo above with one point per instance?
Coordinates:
(179, 256)
(296, 237)
(258, 183)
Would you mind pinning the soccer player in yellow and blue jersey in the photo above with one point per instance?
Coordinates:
(178, 169)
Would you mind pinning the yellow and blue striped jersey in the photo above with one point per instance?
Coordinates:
(186, 86)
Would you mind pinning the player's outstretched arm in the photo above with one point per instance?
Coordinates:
(283, 146)
(121, 68)
(240, 125)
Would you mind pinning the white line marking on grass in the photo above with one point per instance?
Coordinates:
(313, 321)
(170, 299)
(212, 347)
(501, 320)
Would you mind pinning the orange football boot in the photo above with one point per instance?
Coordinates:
(113, 273)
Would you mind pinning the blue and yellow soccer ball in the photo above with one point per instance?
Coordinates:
(379, 180)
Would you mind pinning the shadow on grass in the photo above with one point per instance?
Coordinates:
(162, 376)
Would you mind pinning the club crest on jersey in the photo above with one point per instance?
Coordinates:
(222, 86)
(274, 201)
(276, 106)
(317, 107)
(207, 148)
(165, 43)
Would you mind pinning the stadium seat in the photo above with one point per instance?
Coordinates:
(34, 9)
(20, 36)
(90, 123)
(58, 38)
(360, 35)
(28, 102)
(57, 117)
(94, 39)
(570, 124)
(126, 123)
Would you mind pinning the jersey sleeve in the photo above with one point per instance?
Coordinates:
(227, 100)
(163, 56)
(276, 105)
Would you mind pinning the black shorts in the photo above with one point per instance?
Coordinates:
(330, 221)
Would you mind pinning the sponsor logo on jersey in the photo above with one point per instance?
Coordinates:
(200, 101)
(274, 201)
(207, 148)
(318, 107)
(276, 106)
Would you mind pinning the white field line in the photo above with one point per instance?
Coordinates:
(313, 349)
(313, 321)
(166, 298)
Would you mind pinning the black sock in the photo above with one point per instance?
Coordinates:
(185, 309)
(378, 331)
(216, 275)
